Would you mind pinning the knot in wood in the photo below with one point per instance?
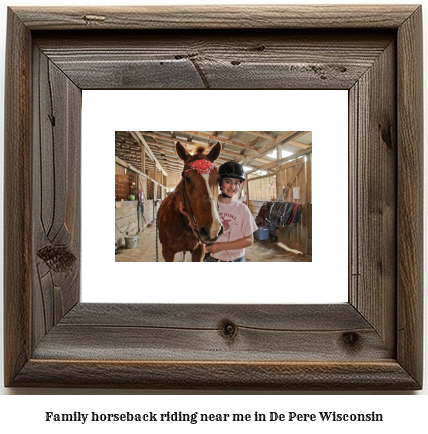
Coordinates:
(94, 18)
(58, 259)
(351, 340)
(386, 134)
(228, 330)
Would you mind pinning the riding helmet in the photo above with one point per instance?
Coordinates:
(232, 169)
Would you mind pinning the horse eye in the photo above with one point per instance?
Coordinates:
(188, 179)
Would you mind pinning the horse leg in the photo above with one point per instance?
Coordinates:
(199, 253)
(168, 254)
(184, 256)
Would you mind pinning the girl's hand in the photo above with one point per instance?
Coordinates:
(231, 245)
(215, 248)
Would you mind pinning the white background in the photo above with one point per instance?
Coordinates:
(403, 413)
(325, 280)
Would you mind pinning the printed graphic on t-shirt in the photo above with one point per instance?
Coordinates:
(228, 220)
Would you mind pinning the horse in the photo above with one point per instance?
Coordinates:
(198, 190)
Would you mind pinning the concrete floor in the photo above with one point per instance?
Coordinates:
(260, 251)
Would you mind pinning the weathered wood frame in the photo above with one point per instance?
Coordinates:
(372, 342)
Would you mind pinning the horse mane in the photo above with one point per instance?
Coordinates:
(198, 154)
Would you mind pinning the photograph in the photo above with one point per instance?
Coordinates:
(213, 196)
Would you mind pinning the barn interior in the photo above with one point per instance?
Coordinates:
(278, 173)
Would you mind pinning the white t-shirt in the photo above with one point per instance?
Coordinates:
(238, 223)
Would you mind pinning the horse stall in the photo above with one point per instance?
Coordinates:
(278, 171)
(269, 197)
(136, 198)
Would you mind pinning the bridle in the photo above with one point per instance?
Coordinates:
(202, 167)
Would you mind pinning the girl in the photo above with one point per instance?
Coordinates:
(237, 220)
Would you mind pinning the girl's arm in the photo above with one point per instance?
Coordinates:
(231, 245)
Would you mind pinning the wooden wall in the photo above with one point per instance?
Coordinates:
(309, 229)
(172, 181)
(125, 220)
(121, 183)
(142, 185)
(148, 214)
(263, 189)
(254, 206)
(295, 186)
(128, 217)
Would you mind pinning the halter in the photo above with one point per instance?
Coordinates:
(203, 167)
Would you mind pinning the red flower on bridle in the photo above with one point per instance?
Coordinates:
(203, 167)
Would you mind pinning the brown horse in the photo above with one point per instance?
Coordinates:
(198, 190)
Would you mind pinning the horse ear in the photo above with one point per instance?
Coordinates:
(215, 152)
(181, 152)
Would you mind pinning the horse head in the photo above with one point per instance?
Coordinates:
(200, 190)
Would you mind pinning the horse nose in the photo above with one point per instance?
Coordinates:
(207, 234)
(204, 233)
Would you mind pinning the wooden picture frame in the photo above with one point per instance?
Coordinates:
(372, 342)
